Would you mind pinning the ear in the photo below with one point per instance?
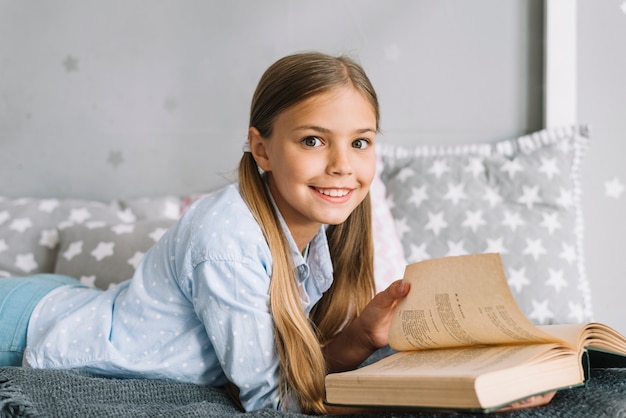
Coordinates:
(258, 149)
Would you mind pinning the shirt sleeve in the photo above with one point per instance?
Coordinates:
(232, 300)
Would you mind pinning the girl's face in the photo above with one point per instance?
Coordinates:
(320, 159)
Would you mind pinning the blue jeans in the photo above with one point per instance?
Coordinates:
(18, 298)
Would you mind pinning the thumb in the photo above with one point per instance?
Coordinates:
(395, 291)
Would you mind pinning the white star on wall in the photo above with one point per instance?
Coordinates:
(614, 188)
(392, 53)
(70, 64)
(170, 104)
(115, 158)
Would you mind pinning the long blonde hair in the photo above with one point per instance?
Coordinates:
(300, 339)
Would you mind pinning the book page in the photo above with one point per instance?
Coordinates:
(573, 334)
(460, 301)
(592, 335)
(466, 361)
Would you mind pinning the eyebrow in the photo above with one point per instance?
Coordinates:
(325, 130)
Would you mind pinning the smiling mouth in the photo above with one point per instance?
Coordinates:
(334, 192)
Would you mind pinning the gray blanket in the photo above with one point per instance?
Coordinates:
(59, 394)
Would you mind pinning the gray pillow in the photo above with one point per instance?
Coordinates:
(159, 207)
(107, 254)
(518, 197)
(28, 230)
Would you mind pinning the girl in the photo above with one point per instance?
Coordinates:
(264, 286)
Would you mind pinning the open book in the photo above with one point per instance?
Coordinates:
(464, 343)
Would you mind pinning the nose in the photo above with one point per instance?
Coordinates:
(339, 162)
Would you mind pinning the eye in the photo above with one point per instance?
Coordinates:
(360, 143)
(312, 141)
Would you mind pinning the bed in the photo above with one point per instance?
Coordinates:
(49, 393)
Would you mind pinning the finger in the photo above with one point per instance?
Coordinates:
(394, 291)
(401, 289)
(531, 402)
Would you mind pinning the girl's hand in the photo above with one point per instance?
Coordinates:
(533, 401)
(366, 333)
(376, 317)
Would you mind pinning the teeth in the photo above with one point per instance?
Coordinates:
(333, 192)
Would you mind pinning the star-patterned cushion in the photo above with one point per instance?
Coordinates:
(29, 227)
(29, 234)
(102, 255)
(518, 197)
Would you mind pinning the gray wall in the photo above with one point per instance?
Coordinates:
(602, 103)
(153, 96)
(124, 99)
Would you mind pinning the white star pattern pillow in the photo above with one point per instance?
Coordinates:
(519, 198)
(29, 230)
(104, 255)
(29, 227)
